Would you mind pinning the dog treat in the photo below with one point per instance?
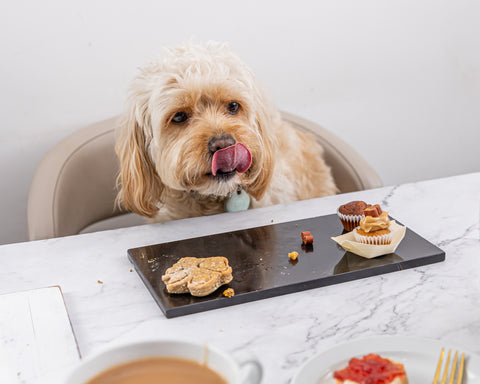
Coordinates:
(307, 237)
(229, 292)
(199, 276)
(305, 233)
(293, 255)
(379, 210)
(373, 211)
(308, 240)
(372, 369)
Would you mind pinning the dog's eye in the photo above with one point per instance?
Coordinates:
(179, 117)
(233, 108)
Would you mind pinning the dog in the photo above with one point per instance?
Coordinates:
(199, 136)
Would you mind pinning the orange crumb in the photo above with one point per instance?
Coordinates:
(293, 255)
(99, 282)
(229, 292)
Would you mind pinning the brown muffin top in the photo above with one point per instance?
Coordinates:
(353, 208)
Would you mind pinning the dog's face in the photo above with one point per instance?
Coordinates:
(196, 122)
(202, 116)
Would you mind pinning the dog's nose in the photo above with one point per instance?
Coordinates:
(220, 142)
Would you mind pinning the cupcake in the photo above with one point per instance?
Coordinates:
(374, 228)
(351, 213)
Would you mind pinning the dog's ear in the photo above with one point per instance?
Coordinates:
(140, 186)
(264, 172)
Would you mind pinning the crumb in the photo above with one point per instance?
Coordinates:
(293, 255)
(221, 330)
(229, 292)
(99, 282)
(142, 257)
(149, 261)
(296, 225)
(131, 270)
(271, 221)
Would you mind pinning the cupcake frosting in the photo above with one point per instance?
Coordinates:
(371, 224)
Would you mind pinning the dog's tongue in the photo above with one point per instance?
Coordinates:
(236, 157)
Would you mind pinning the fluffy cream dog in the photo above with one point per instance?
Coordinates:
(199, 134)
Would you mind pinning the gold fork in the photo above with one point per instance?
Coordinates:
(445, 370)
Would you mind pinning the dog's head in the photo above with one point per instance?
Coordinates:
(196, 121)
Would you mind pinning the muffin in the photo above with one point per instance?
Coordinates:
(374, 228)
(372, 369)
(351, 213)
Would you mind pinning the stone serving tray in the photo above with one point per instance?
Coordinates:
(262, 268)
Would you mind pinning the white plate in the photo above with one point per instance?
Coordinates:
(419, 356)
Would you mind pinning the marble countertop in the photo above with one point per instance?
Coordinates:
(108, 303)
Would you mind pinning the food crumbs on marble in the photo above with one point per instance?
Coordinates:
(229, 292)
(99, 282)
(271, 221)
(131, 270)
(293, 255)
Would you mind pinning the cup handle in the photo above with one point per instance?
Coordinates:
(251, 371)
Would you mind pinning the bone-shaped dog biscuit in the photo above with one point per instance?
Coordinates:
(199, 276)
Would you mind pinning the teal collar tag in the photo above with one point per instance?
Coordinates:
(239, 201)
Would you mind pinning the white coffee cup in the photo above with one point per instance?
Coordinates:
(234, 372)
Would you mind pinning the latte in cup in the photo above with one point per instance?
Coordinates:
(166, 369)
(164, 361)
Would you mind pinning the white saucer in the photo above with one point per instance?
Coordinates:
(419, 356)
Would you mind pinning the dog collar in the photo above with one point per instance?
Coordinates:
(238, 201)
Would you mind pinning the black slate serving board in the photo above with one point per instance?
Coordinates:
(262, 268)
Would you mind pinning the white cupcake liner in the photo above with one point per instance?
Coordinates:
(373, 240)
(352, 220)
(370, 251)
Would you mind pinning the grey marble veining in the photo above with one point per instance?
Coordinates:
(439, 301)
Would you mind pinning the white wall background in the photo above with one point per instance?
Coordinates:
(398, 80)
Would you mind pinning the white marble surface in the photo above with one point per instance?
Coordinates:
(439, 301)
